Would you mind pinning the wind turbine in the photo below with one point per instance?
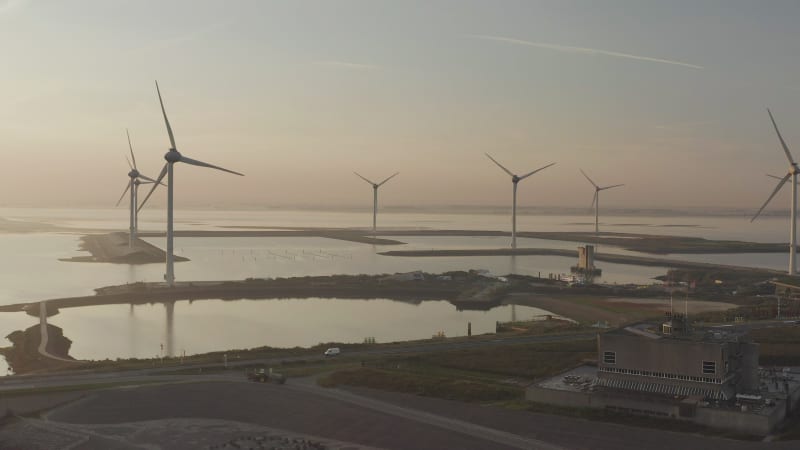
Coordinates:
(375, 187)
(515, 179)
(173, 156)
(596, 200)
(793, 170)
(133, 186)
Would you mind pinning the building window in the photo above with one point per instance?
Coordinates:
(609, 357)
(709, 367)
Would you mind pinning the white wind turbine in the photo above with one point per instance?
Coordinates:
(375, 187)
(793, 171)
(596, 200)
(133, 186)
(515, 179)
(172, 157)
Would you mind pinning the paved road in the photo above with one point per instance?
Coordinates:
(283, 407)
(498, 437)
(362, 416)
(75, 378)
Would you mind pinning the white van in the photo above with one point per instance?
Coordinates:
(333, 351)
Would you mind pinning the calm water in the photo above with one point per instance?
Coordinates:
(30, 270)
(140, 331)
(765, 229)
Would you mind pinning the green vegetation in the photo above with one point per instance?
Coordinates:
(491, 374)
(530, 361)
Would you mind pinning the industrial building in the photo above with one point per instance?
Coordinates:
(586, 262)
(710, 377)
(715, 366)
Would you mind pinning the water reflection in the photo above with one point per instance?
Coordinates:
(170, 330)
(277, 323)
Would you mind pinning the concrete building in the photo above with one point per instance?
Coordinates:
(585, 264)
(714, 366)
(586, 257)
(709, 377)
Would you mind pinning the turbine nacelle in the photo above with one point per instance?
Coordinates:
(172, 156)
(134, 176)
(515, 179)
(793, 172)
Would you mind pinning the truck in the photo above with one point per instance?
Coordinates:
(266, 376)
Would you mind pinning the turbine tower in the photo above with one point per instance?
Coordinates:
(793, 171)
(133, 186)
(173, 156)
(596, 200)
(375, 187)
(515, 179)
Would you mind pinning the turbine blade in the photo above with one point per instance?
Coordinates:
(783, 143)
(363, 178)
(594, 199)
(149, 180)
(127, 186)
(499, 165)
(195, 162)
(774, 176)
(777, 188)
(166, 121)
(610, 187)
(129, 162)
(155, 185)
(384, 181)
(590, 180)
(537, 170)
(131, 148)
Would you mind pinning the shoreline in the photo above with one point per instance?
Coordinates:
(605, 257)
(658, 244)
(113, 247)
(339, 286)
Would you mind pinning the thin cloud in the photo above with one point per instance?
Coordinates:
(583, 50)
(189, 36)
(347, 65)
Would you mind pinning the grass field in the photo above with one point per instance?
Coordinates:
(474, 375)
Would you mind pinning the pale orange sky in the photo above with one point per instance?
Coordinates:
(668, 99)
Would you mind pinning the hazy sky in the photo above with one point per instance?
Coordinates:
(666, 97)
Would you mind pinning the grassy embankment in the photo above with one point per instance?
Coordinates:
(477, 375)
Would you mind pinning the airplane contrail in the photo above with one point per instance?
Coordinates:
(588, 51)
